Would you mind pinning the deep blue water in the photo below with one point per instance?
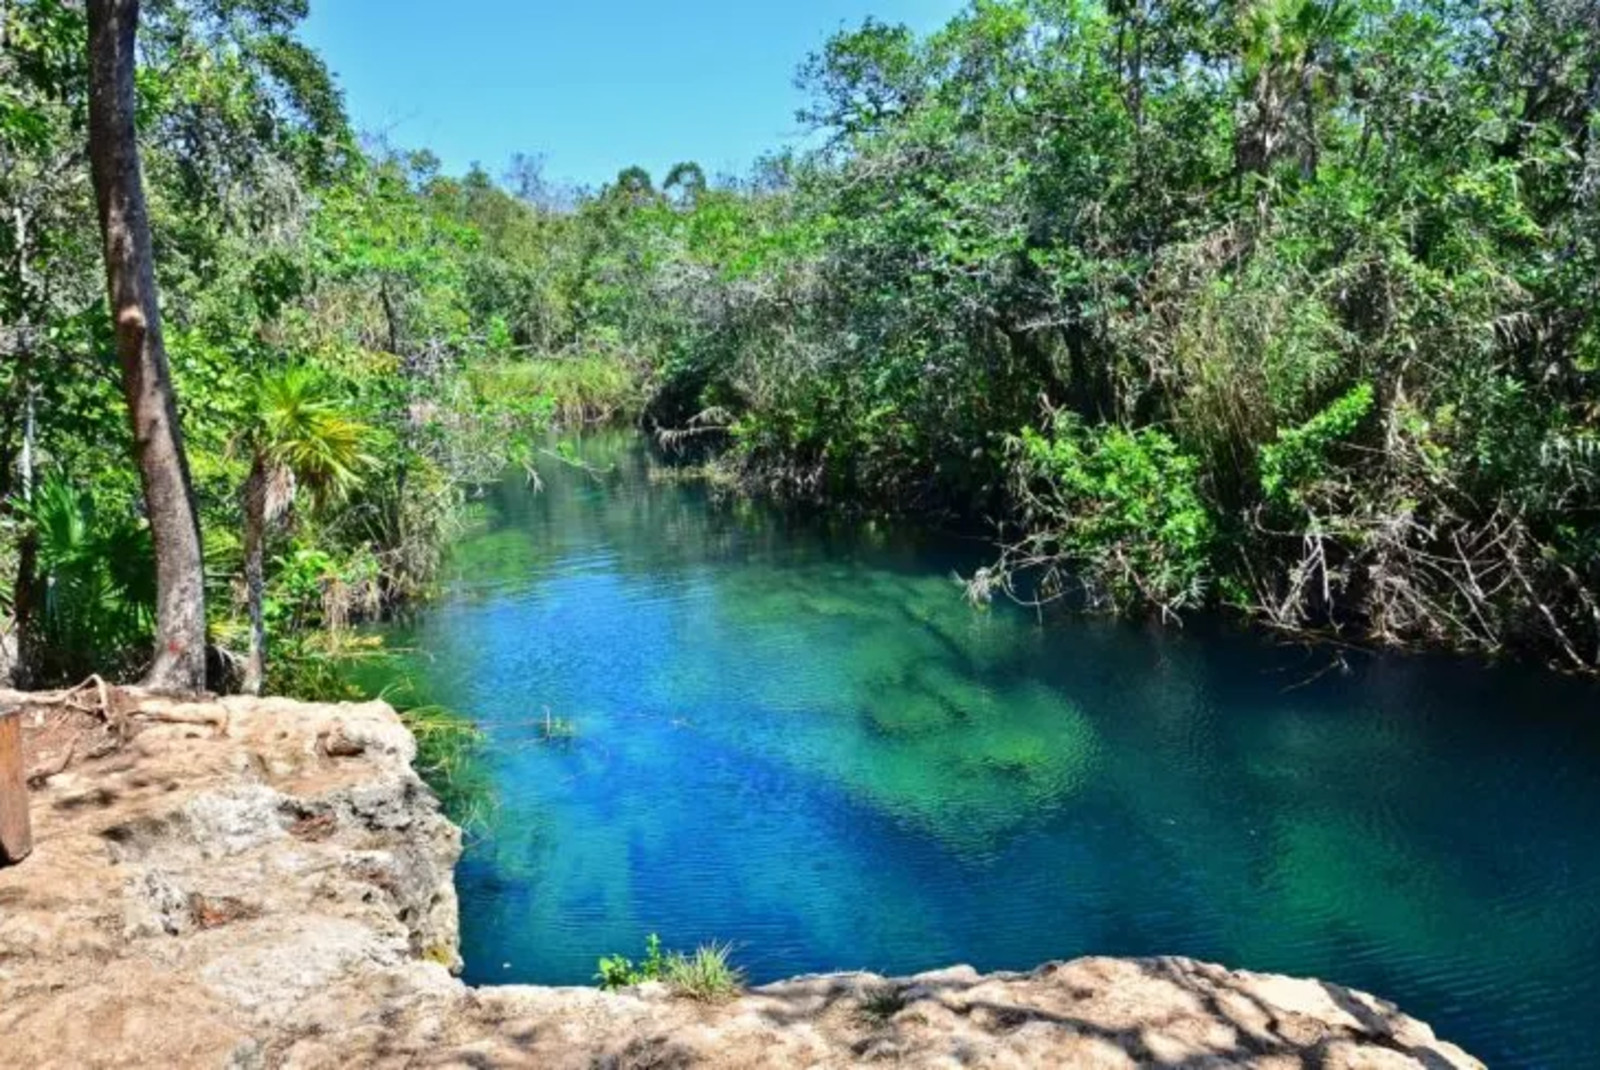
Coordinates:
(798, 737)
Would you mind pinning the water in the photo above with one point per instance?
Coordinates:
(799, 738)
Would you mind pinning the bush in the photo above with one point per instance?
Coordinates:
(94, 589)
(1294, 465)
(616, 972)
(1114, 513)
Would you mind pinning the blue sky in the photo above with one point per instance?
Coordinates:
(594, 87)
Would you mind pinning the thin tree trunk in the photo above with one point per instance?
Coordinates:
(255, 541)
(24, 610)
(180, 654)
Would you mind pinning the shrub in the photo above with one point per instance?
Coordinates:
(1116, 512)
(1294, 465)
(616, 971)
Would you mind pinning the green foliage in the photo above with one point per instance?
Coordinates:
(1191, 228)
(1293, 465)
(94, 588)
(317, 665)
(1121, 510)
(451, 757)
(1188, 226)
(577, 390)
(708, 975)
(345, 323)
(300, 428)
(616, 971)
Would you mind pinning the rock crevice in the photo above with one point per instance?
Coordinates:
(263, 883)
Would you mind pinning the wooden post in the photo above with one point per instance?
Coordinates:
(16, 833)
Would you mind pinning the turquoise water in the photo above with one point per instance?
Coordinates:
(799, 738)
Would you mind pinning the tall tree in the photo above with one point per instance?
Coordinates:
(179, 663)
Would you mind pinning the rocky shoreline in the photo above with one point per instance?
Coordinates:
(263, 883)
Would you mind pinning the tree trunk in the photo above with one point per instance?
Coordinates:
(24, 611)
(255, 542)
(24, 593)
(180, 661)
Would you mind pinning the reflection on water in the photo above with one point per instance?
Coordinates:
(799, 738)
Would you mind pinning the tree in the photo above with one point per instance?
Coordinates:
(180, 661)
(863, 80)
(298, 438)
(688, 181)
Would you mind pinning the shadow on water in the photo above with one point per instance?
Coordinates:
(797, 736)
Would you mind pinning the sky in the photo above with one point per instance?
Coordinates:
(592, 87)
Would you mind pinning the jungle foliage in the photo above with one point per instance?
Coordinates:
(1286, 305)
(340, 318)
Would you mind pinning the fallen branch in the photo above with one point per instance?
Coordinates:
(38, 778)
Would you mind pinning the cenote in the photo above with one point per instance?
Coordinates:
(796, 736)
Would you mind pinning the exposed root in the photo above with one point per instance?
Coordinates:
(96, 708)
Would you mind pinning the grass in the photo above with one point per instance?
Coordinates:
(880, 1003)
(450, 758)
(326, 666)
(708, 975)
(585, 389)
(318, 665)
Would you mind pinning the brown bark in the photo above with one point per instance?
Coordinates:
(255, 541)
(179, 663)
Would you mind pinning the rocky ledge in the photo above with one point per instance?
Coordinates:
(262, 883)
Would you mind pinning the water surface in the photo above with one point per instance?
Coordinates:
(798, 737)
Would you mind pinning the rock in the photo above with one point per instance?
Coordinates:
(261, 883)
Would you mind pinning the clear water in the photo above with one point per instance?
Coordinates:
(799, 738)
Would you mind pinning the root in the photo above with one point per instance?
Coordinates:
(113, 710)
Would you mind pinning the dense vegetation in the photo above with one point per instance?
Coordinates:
(341, 322)
(1288, 305)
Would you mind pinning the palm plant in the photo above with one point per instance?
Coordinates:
(299, 438)
(93, 588)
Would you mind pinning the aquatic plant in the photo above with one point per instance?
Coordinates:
(557, 729)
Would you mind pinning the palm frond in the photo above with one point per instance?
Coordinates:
(308, 439)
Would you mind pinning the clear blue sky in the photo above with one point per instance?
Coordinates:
(593, 86)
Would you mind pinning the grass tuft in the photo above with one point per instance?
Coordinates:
(881, 1003)
(708, 975)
